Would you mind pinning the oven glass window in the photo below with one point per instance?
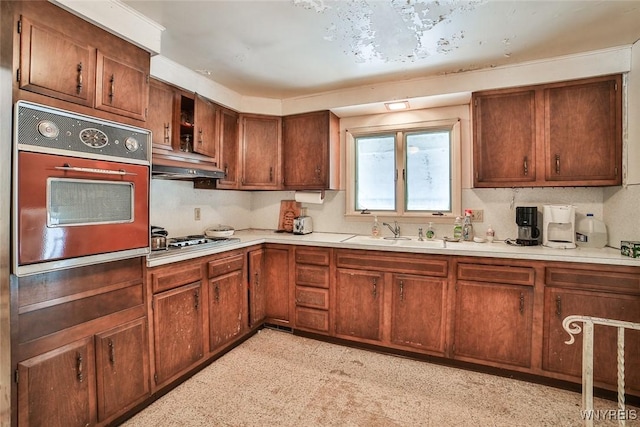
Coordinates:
(85, 202)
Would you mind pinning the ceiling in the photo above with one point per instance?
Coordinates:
(289, 48)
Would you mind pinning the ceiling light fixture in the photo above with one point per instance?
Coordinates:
(397, 105)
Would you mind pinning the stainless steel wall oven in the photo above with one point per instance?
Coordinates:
(80, 189)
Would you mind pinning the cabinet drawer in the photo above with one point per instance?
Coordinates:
(309, 275)
(309, 318)
(392, 262)
(312, 297)
(225, 265)
(496, 274)
(173, 277)
(612, 281)
(312, 256)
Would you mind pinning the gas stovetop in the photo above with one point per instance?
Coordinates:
(193, 243)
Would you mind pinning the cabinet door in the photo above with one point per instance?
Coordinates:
(160, 119)
(494, 323)
(276, 282)
(418, 312)
(306, 141)
(227, 308)
(229, 155)
(358, 311)
(122, 365)
(567, 359)
(504, 138)
(256, 287)
(583, 138)
(261, 138)
(205, 137)
(178, 330)
(56, 65)
(58, 388)
(121, 88)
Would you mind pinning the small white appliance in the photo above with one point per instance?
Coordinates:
(302, 225)
(559, 226)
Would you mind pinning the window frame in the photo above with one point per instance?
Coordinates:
(400, 212)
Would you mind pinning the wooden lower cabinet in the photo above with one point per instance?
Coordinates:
(566, 359)
(276, 280)
(256, 287)
(493, 322)
(419, 312)
(86, 382)
(227, 302)
(122, 367)
(312, 283)
(58, 388)
(359, 304)
(178, 330)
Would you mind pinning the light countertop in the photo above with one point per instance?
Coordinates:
(497, 249)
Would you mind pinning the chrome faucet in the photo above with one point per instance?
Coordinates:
(395, 230)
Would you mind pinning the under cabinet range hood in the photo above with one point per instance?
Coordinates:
(183, 173)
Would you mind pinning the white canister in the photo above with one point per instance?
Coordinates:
(591, 233)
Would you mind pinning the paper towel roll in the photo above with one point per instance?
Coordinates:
(314, 197)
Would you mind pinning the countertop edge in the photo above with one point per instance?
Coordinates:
(252, 237)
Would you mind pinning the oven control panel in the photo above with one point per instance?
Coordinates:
(46, 129)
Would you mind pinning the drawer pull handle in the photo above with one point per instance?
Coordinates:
(196, 297)
(401, 290)
(257, 281)
(217, 293)
(167, 132)
(558, 306)
(521, 303)
(526, 166)
(375, 288)
(558, 164)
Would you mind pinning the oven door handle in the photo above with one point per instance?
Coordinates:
(67, 167)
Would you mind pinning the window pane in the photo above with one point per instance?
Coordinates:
(428, 171)
(375, 173)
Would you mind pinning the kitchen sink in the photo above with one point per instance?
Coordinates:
(402, 241)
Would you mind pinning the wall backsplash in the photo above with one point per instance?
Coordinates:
(173, 203)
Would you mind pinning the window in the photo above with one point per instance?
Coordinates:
(412, 170)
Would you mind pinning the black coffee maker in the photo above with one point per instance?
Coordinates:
(527, 220)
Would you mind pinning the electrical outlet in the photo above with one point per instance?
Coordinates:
(477, 215)
(196, 214)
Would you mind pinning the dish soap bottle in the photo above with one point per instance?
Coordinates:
(467, 228)
(457, 228)
(375, 228)
(431, 232)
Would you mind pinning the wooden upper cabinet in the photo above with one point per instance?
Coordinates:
(229, 155)
(260, 152)
(583, 138)
(504, 138)
(205, 138)
(311, 143)
(162, 99)
(66, 58)
(560, 134)
(121, 88)
(55, 64)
